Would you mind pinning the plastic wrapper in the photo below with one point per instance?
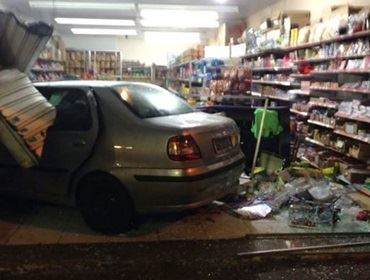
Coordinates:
(254, 212)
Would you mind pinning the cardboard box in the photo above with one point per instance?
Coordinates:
(298, 18)
(344, 11)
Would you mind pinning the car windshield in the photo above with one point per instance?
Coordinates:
(150, 101)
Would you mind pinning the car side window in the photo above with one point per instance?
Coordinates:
(73, 110)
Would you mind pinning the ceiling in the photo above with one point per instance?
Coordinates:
(23, 9)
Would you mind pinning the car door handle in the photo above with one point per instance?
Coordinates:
(79, 143)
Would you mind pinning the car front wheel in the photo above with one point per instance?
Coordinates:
(105, 205)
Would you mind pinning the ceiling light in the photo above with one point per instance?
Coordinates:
(178, 14)
(195, 23)
(100, 31)
(221, 1)
(93, 21)
(81, 5)
(172, 37)
(217, 8)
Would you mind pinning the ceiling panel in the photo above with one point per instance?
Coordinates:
(22, 8)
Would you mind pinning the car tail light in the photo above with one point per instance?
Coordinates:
(183, 148)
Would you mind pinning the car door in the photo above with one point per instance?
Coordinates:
(70, 141)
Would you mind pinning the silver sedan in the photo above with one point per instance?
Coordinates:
(120, 148)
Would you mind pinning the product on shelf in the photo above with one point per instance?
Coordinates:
(281, 34)
(235, 80)
(354, 109)
(87, 64)
(268, 62)
(323, 102)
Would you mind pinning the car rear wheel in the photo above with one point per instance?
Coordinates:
(105, 205)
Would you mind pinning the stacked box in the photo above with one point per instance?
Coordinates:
(25, 116)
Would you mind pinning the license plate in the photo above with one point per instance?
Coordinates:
(222, 144)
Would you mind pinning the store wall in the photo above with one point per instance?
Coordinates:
(96, 43)
(139, 49)
(316, 7)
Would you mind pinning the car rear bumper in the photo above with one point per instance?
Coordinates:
(158, 193)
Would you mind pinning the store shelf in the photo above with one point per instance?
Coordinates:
(323, 105)
(299, 92)
(352, 136)
(337, 72)
(304, 114)
(276, 51)
(309, 162)
(272, 96)
(340, 90)
(349, 117)
(317, 143)
(332, 40)
(280, 98)
(47, 70)
(186, 81)
(300, 76)
(277, 83)
(324, 59)
(286, 50)
(321, 124)
(272, 69)
(50, 60)
(183, 63)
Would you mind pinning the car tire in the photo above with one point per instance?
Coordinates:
(105, 205)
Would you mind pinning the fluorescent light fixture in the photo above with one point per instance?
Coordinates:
(101, 31)
(93, 21)
(221, 1)
(164, 22)
(172, 37)
(217, 8)
(178, 14)
(81, 5)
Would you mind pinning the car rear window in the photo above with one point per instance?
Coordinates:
(150, 101)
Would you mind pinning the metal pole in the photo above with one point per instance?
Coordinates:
(300, 249)
(258, 144)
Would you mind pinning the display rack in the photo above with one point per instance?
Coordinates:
(47, 70)
(105, 64)
(94, 64)
(321, 90)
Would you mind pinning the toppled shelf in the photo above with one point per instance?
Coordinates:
(352, 136)
(304, 114)
(321, 124)
(361, 91)
(349, 117)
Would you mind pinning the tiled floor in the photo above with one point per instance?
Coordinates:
(33, 223)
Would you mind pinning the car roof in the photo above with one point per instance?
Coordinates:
(87, 83)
